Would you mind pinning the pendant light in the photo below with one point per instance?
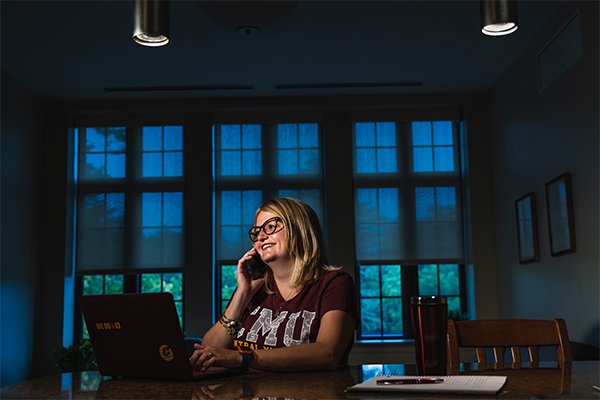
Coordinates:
(498, 17)
(151, 22)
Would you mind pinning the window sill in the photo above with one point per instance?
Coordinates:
(395, 342)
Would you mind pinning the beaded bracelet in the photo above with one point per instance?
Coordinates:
(232, 326)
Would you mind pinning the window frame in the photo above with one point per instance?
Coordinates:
(409, 288)
(132, 185)
(334, 123)
(406, 180)
(268, 183)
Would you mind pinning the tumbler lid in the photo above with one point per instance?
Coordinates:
(428, 300)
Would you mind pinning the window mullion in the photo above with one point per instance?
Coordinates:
(269, 160)
(131, 283)
(382, 311)
(410, 288)
(133, 164)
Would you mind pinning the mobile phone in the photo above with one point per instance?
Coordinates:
(256, 267)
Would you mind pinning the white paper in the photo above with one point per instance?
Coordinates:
(480, 384)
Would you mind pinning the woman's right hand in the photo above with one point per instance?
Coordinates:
(246, 286)
(218, 335)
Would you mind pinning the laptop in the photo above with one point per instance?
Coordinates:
(138, 335)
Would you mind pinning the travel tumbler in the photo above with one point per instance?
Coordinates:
(430, 322)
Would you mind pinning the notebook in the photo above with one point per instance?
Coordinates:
(458, 384)
(138, 335)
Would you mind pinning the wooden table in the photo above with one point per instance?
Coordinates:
(574, 381)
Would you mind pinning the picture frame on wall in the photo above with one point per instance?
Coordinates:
(559, 205)
(527, 232)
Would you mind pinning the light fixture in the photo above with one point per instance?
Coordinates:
(151, 22)
(498, 17)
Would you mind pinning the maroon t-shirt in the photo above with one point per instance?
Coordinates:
(274, 322)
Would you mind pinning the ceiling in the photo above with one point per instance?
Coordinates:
(83, 50)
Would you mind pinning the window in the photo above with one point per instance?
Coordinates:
(160, 240)
(101, 231)
(404, 191)
(130, 211)
(255, 162)
(433, 147)
(380, 299)
(441, 280)
(162, 154)
(408, 221)
(102, 154)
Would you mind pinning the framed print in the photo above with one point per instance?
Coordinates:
(559, 204)
(527, 233)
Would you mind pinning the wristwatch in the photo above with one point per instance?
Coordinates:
(247, 356)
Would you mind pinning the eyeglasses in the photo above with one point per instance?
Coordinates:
(269, 227)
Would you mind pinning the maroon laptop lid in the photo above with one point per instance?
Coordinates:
(138, 336)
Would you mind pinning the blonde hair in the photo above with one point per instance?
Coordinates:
(304, 239)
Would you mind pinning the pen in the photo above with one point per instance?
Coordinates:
(409, 381)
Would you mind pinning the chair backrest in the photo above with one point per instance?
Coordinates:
(502, 334)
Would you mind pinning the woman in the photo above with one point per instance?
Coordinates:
(300, 315)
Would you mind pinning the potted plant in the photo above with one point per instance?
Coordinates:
(77, 357)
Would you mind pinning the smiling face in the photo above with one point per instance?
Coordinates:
(271, 247)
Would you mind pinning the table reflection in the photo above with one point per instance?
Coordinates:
(547, 379)
(574, 380)
(368, 371)
(253, 384)
(314, 385)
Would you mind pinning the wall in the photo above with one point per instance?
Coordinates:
(54, 266)
(537, 137)
(21, 211)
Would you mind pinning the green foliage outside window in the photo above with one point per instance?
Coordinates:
(381, 300)
(390, 277)
(392, 315)
(370, 313)
(102, 284)
(369, 280)
(113, 284)
(428, 281)
(151, 283)
(442, 280)
(171, 283)
(449, 280)
(93, 284)
(228, 284)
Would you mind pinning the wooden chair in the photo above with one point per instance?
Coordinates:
(503, 334)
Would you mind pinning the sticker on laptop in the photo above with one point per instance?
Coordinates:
(165, 352)
(107, 326)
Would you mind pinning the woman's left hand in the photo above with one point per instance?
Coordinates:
(205, 357)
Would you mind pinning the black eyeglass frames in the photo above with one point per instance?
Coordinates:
(269, 227)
